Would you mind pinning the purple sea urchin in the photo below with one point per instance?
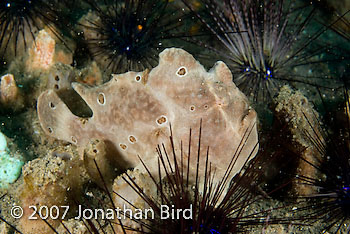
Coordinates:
(263, 41)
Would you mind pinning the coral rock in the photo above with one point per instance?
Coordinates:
(133, 111)
(48, 181)
(294, 109)
(42, 53)
(9, 90)
(74, 226)
(90, 75)
(10, 96)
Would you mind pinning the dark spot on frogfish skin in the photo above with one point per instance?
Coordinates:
(132, 139)
(123, 146)
(83, 120)
(74, 140)
(101, 99)
(181, 72)
(52, 106)
(161, 120)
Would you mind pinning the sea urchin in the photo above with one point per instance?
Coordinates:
(127, 35)
(263, 42)
(20, 20)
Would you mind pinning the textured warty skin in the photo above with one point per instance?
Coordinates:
(133, 112)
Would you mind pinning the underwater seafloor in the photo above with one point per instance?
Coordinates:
(90, 89)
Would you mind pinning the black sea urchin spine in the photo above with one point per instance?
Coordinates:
(264, 42)
(217, 207)
(331, 201)
(6, 221)
(9, 224)
(21, 19)
(342, 25)
(128, 35)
